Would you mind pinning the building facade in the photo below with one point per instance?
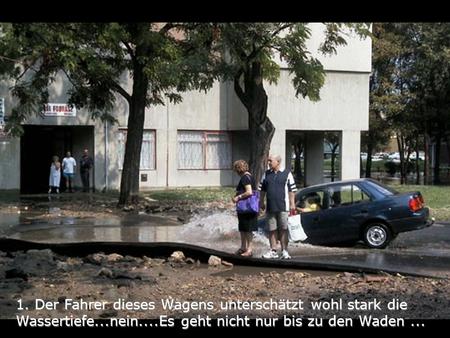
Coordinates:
(194, 143)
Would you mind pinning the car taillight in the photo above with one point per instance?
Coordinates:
(416, 203)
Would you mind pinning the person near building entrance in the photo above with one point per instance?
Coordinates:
(86, 163)
(55, 175)
(279, 188)
(69, 165)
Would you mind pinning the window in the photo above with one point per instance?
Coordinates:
(204, 150)
(2, 111)
(313, 198)
(346, 195)
(382, 189)
(359, 195)
(147, 150)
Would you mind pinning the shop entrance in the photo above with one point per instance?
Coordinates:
(40, 143)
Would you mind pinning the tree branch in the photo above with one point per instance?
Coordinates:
(238, 89)
(30, 66)
(168, 26)
(121, 91)
(283, 27)
(129, 49)
(267, 43)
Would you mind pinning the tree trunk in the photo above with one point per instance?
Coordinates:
(333, 161)
(260, 138)
(369, 160)
(437, 160)
(447, 140)
(261, 129)
(417, 161)
(401, 151)
(298, 148)
(426, 165)
(129, 184)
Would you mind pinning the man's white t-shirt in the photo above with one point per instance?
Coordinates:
(69, 164)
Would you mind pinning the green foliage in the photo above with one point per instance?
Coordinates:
(244, 44)
(199, 195)
(437, 198)
(391, 167)
(97, 58)
(411, 76)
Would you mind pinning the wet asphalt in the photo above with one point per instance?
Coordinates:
(423, 252)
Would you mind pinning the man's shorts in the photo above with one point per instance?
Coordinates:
(277, 220)
(68, 175)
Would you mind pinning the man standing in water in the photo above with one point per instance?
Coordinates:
(279, 187)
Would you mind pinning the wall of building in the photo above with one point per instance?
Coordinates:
(9, 150)
(10, 164)
(336, 111)
(343, 107)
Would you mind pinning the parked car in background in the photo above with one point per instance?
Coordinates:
(394, 156)
(362, 209)
(413, 155)
(379, 157)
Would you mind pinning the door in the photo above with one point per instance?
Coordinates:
(349, 208)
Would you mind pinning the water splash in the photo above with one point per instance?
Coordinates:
(218, 230)
(218, 226)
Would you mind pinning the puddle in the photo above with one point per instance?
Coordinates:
(420, 252)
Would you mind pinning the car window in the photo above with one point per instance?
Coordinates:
(359, 195)
(346, 195)
(311, 202)
(381, 188)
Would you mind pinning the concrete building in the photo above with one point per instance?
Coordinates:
(194, 143)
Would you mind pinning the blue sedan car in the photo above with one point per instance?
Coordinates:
(362, 209)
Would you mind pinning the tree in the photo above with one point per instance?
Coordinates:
(376, 137)
(299, 146)
(333, 142)
(383, 47)
(159, 59)
(431, 82)
(250, 52)
(390, 91)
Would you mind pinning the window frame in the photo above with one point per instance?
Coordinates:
(352, 192)
(317, 191)
(125, 131)
(205, 134)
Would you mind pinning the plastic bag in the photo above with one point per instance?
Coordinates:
(295, 229)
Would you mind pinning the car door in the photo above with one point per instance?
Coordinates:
(349, 208)
(316, 222)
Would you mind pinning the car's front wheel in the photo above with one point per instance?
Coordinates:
(377, 235)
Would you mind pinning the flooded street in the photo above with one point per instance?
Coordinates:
(425, 251)
(121, 272)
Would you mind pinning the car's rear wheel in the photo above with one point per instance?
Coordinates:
(377, 235)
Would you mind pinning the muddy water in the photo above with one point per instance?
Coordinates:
(426, 251)
(132, 228)
(216, 230)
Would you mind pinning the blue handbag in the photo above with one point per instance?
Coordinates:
(249, 204)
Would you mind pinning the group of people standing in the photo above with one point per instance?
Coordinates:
(278, 188)
(68, 168)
